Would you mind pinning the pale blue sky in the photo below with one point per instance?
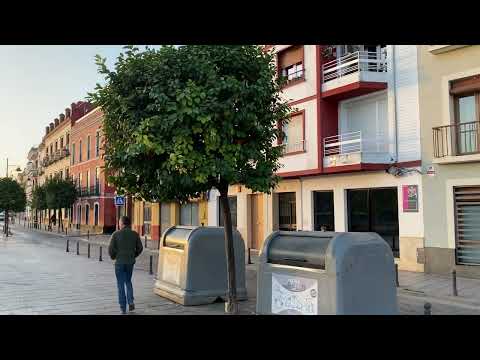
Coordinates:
(37, 83)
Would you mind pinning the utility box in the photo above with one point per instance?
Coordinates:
(322, 273)
(192, 265)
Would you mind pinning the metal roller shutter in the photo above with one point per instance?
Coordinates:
(467, 231)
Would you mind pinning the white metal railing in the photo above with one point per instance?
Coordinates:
(347, 143)
(354, 62)
(292, 147)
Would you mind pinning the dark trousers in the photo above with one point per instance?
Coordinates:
(124, 272)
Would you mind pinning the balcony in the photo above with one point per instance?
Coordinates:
(456, 143)
(293, 148)
(354, 74)
(356, 152)
(89, 191)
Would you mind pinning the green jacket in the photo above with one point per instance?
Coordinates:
(125, 246)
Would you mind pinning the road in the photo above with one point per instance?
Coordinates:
(37, 276)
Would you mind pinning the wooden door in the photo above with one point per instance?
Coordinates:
(257, 221)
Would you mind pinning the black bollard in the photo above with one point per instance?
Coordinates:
(427, 309)
(396, 275)
(88, 234)
(145, 241)
(78, 247)
(88, 251)
(100, 257)
(249, 258)
(151, 265)
(454, 283)
(68, 245)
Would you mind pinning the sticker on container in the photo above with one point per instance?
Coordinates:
(171, 268)
(292, 295)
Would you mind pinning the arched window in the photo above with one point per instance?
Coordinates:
(87, 214)
(96, 214)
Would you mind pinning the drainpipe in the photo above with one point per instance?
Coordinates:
(395, 102)
(301, 203)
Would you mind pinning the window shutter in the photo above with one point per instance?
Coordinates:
(290, 56)
(465, 85)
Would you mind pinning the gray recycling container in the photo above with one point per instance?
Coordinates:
(321, 273)
(192, 265)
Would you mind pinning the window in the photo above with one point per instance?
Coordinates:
(189, 214)
(97, 144)
(61, 143)
(375, 210)
(73, 154)
(147, 219)
(287, 211)
(87, 214)
(51, 149)
(88, 147)
(293, 134)
(56, 146)
(88, 180)
(165, 217)
(97, 180)
(80, 151)
(323, 211)
(67, 173)
(232, 200)
(96, 213)
(79, 214)
(290, 64)
(466, 97)
(67, 140)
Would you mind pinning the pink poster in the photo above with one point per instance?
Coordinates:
(410, 198)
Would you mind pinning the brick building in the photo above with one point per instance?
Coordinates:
(94, 210)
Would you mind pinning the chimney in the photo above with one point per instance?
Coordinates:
(62, 117)
(47, 130)
(52, 126)
(67, 113)
(56, 122)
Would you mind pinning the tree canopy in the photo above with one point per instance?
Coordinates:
(60, 193)
(180, 121)
(39, 198)
(12, 195)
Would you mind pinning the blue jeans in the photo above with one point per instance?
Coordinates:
(123, 273)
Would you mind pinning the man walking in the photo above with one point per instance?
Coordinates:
(125, 246)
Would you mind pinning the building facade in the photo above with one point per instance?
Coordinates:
(449, 89)
(352, 155)
(152, 219)
(94, 210)
(31, 181)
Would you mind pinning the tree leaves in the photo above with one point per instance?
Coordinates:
(12, 196)
(179, 119)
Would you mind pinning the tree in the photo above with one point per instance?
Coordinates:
(12, 198)
(181, 121)
(60, 194)
(39, 199)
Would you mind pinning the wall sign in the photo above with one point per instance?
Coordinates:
(410, 198)
(292, 295)
(431, 170)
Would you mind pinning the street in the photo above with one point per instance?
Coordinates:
(37, 276)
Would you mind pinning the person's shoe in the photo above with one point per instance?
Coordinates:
(124, 312)
(131, 307)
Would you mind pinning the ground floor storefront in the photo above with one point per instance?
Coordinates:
(96, 215)
(367, 202)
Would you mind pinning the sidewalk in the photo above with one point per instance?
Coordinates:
(415, 288)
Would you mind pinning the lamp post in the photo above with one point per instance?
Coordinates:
(6, 211)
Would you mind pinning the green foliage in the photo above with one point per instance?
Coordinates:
(180, 121)
(12, 196)
(39, 198)
(60, 193)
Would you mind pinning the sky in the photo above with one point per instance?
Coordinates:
(37, 83)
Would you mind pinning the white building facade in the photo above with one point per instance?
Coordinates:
(352, 153)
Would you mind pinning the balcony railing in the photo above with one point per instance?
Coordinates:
(351, 63)
(89, 191)
(456, 139)
(348, 143)
(288, 148)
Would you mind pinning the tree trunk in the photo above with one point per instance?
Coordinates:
(231, 306)
(6, 223)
